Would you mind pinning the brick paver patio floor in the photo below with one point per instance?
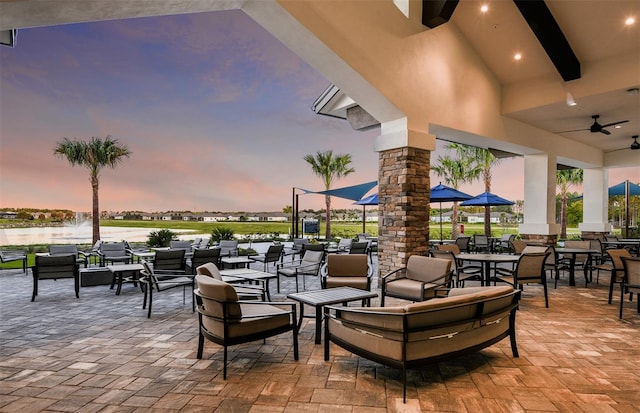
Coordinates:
(100, 353)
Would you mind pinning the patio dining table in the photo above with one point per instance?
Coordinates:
(487, 260)
(572, 253)
(634, 243)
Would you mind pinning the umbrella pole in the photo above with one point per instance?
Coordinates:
(363, 221)
(626, 208)
(441, 223)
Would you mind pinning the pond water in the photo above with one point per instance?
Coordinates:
(80, 234)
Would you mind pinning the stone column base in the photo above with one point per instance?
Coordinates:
(538, 239)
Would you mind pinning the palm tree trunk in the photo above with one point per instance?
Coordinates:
(487, 221)
(95, 184)
(563, 218)
(454, 221)
(327, 232)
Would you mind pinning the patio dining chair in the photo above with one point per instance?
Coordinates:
(461, 273)
(309, 265)
(71, 249)
(616, 268)
(529, 270)
(481, 243)
(228, 248)
(273, 255)
(163, 280)
(360, 247)
(344, 245)
(14, 255)
(463, 243)
(203, 256)
(54, 268)
(631, 281)
(114, 252)
(172, 260)
(180, 245)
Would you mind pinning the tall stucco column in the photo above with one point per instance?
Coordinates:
(595, 203)
(540, 199)
(403, 193)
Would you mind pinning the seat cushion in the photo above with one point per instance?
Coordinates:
(410, 289)
(355, 282)
(248, 326)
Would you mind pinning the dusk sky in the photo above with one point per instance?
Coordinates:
(215, 111)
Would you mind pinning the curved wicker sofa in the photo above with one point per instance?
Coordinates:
(467, 320)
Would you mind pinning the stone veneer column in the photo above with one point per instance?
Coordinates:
(403, 211)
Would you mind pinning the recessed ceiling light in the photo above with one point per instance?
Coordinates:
(630, 21)
(617, 127)
(517, 56)
(484, 8)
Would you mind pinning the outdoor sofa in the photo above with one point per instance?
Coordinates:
(410, 336)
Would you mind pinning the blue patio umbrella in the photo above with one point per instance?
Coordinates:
(442, 193)
(487, 199)
(621, 189)
(367, 200)
(616, 190)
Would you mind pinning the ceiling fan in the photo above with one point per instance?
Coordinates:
(635, 145)
(596, 127)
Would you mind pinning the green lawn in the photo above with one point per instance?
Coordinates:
(272, 229)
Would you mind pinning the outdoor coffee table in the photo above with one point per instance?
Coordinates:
(329, 296)
(246, 274)
(119, 272)
(234, 262)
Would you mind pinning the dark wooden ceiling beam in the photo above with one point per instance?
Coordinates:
(550, 36)
(437, 12)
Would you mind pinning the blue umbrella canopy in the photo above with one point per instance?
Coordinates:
(443, 193)
(634, 189)
(486, 199)
(368, 200)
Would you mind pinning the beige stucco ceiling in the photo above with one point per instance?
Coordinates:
(535, 93)
(532, 90)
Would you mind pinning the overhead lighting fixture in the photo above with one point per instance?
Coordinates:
(570, 100)
(8, 37)
(629, 21)
(635, 145)
(484, 8)
(517, 56)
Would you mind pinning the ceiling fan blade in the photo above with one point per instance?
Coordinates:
(614, 123)
(606, 132)
(575, 130)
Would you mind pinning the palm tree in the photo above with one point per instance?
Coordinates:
(483, 160)
(93, 155)
(565, 179)
(329, 168)
(454, 171)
